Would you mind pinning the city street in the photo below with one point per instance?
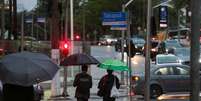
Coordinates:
(101, 53)
(48, 48)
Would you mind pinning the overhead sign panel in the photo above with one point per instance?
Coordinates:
(114, 18)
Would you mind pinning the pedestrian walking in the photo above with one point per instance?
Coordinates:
(83, 82)
(105, 85)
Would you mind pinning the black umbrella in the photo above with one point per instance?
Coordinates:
(26, 68)
(79, 59)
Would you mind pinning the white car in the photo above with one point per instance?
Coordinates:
(167, 59)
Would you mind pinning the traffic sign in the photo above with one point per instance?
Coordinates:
(114, 18)
(163, 16)
(118, 27)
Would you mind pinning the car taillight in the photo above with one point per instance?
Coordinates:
(135, 78)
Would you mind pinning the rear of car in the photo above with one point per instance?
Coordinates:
(138, 43)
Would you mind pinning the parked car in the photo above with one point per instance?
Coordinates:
(163, 79)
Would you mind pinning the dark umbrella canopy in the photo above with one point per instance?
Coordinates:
(26, 68)
(79, 59)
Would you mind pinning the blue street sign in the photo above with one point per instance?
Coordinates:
(113, 18)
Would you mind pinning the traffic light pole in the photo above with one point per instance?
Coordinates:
(65, 92)
(195, 51)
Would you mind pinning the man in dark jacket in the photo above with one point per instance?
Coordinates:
(106, 84)
(83, 82)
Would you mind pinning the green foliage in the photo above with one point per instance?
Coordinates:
(91, 12)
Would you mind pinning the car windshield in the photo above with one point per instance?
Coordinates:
(138, 41)
(167, 59)
(172, 43)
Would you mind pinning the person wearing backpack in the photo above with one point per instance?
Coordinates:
(105, 85)
(83, 82)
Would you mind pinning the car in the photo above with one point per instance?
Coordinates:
(183, 54)
(160, 47)
(138, 43)
(163, 78)
(167, 58)
(107, 40)
(117, 45)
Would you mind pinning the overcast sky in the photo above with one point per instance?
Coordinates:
(27, 4)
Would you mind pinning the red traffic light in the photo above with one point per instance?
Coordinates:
(77, 37)
(64, 47)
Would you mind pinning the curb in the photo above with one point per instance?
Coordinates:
(93, 96)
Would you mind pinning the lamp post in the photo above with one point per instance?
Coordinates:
(124, 6)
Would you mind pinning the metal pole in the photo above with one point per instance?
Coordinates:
(195, 51)
(147, 59)
(22, 32)
(45, 27)
(122, 47)
(129, 52)
(71, 21)
(32, 28)
(179, 34)
(72, 32)
(65, 92)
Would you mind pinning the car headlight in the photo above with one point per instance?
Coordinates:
(180, 61)
(136, 78)
(142, 48)
(154, 49)
(199, 60)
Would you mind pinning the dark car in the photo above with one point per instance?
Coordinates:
(164, 78)
(138, 43)
(161, 47)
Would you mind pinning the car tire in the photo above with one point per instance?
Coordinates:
(155, 91)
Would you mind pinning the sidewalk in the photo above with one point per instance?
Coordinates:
(93, 94)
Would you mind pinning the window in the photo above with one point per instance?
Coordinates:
(162, 71)
(181, 71)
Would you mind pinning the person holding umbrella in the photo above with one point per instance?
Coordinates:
(83, 82)
(106, 83)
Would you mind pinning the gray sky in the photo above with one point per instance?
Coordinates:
(27, 4)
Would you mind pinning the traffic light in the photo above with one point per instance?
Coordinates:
(77, 37)
(64, 47)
